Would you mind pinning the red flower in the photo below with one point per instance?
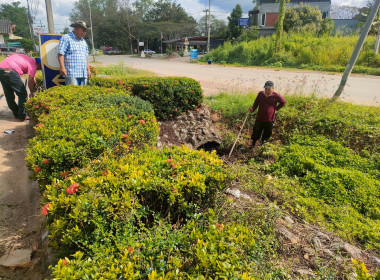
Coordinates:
(174, 166)
(45, 209)
(120, 82)
(174, 190)
(36, 106)
(142, 121)
(64, 262)
(129, 87)
(64, 174)
(130, 116)
(197, 110)
(155, 84)
(45, 161)
(192, 91)
(104, 173)
(47, 107)
(43, 104)
(175, 110)
(73, 188)
(39, 125)
(124, 136)
(30, 101)
(220, 226)
(129, 142)
(144, 85)
(170, 160)
(130, 249)
(37, 169)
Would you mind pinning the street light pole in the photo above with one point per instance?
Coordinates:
(92, 33)
(49, 13)
(209, 26)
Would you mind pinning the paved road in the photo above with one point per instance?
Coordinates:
(360, 89)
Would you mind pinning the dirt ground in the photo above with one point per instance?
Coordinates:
(360, 89)
(20, 219)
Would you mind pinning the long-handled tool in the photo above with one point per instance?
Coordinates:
(241, 129)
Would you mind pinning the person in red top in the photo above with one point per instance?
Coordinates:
(11, 70)
(268, 102)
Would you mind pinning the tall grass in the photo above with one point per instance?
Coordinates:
(300, 51)
(122, 71)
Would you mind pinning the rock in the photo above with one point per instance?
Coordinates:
(238, 194)
(351, 250)
(308, 251)
(304, 272)
(375, 260)
(287, 234)
(328, 253)
(16, 258)
(323, 236)
(289, 220)
(317, 242)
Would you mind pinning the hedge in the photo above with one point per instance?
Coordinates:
(76, 125)
(169, 96)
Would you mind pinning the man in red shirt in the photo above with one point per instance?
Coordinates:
(11, 70)
(268, 102)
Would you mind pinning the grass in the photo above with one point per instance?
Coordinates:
(122, 71)
(300, 51)
(324, 158)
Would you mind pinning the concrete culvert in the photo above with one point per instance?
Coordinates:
(194, 129)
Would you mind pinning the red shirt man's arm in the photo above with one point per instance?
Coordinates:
(256, 103)
(281, 100)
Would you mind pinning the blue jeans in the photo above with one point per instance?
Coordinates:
(76, 81)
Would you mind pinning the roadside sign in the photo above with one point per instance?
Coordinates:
(194, 54)
(49, 58)
(243, 21)
(141, 44)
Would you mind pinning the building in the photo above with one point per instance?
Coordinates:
(199, 42)
(266, 14)
(6, 31)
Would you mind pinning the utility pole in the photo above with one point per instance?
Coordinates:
(162, 36)
(49, 13)
(209, 26)
(92, 33)
(30, 21)
(358, 47)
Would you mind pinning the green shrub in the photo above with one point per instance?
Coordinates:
(305, 50)
(78, 126)
(169, 96)
(174, 183)
(198, 250)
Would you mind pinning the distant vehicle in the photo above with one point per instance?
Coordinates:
(111, 50)
(149, 51)
(7, 51)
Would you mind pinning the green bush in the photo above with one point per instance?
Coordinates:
(174, 183)
(307, 51)
(76, 125)
(190, 252)
(169, 96)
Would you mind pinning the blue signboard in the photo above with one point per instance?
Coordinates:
(243, 21)
(49, 58)
(194, 54)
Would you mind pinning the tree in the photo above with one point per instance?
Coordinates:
(218, 27)
(300, 16)
(327, 27)
(234, 30)
(18, 15)
(280, 25)
(66, 30)
(343, 12)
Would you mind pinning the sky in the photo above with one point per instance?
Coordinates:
(220, 8)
